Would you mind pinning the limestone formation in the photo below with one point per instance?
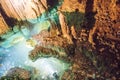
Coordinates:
(3, 26)
(72, 5)
(40, 51)
(73, 32)
(64, 27)
(16, 74)
(90, 35)
(24, 9)
(106, 18)
(53, 29)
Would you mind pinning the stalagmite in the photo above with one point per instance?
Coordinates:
(64, 27)
(90, 38)
(73, 32)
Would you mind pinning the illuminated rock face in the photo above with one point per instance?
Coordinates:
(64, 27)
(24, 9)
(71, 5)
(3, 25)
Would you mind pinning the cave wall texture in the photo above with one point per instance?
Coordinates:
(101, 18)
(98, 13)
(97, 20)
(23, 9)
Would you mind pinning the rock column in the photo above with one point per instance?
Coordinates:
(64, 27)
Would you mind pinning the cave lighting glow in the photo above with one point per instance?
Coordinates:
(15, 50)
(14, 57)
(14, 53)
(49, 68)
(17, 56)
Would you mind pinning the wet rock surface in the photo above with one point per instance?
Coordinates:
(40, 51)
(92, 46)
(16, 74)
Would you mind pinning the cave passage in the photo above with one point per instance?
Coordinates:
(17, 44)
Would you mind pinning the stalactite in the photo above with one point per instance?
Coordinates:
(24, 9)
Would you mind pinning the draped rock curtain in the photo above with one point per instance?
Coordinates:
(24, 9)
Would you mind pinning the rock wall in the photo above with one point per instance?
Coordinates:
(72, 5)
(107, 19)
(102, 21)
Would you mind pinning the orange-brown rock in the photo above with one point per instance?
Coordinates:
(106, 9)
(106, 20)
(3, 25)
(72, 5)
(24, 9)
(73, 32)
(64, 27)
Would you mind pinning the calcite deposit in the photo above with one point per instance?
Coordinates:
(84, 33)
(22, 10)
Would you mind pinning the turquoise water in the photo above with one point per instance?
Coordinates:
(14, 52)
(14, 56)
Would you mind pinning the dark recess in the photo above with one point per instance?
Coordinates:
(10, 21)
(89, 14)
(52, 3)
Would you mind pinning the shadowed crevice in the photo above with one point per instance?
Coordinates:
(89, 14)
(9, 21)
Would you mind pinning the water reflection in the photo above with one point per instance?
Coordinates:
(14, 56)
(14, 52)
